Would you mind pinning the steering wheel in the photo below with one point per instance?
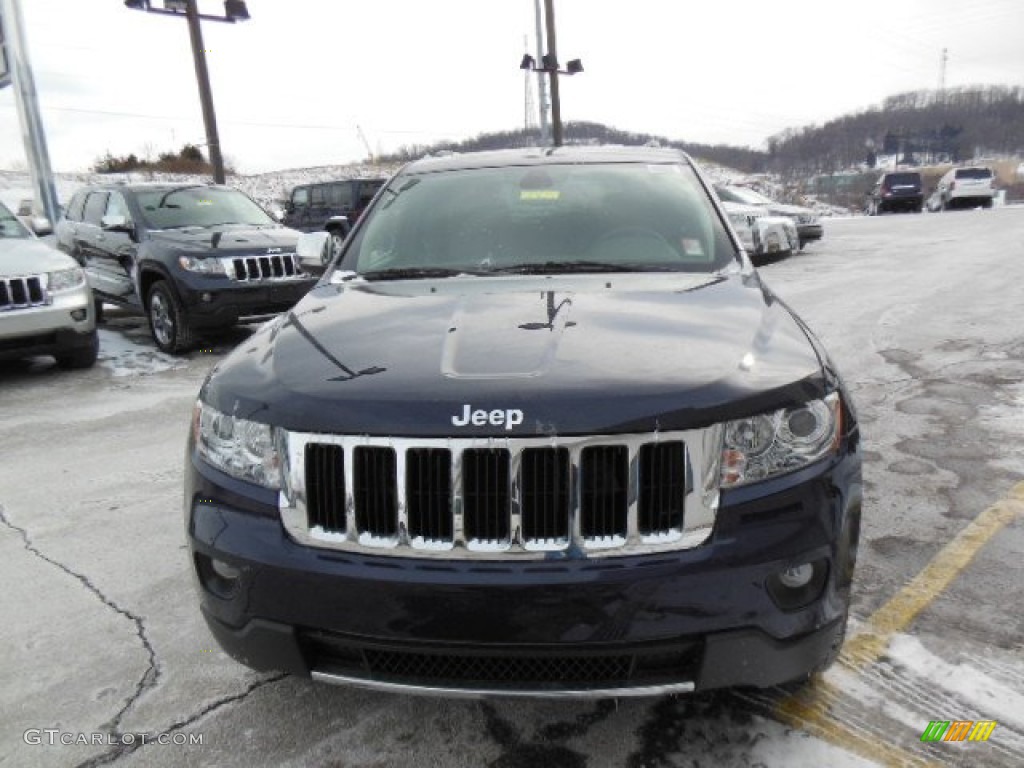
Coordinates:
(641, 243)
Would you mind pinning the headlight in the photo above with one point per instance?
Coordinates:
(770, 444)
(203, 266)
(66, 279)
(244, 449)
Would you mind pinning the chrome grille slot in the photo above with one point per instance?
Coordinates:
(325, 486)
(485, 492)
(280, 266)
(663, 487)
(428, 493)
(604, 486)
(544, 478)
(375, 491)
(492, 499)
(22, 292)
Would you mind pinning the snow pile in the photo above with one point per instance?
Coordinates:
(122, 356)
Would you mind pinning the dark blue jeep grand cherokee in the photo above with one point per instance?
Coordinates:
(540, 430)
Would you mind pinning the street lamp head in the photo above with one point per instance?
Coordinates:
(527, 62)
(574, 67)
(550, 62)
(236, 10)
(176, 6)
(138, 5)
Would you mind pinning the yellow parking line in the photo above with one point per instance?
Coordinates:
(810, 709)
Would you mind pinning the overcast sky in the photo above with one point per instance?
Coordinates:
(292, 84)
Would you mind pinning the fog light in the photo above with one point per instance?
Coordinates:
(206, 297)
(216, 576)
(794, 577)
(79, 315)
(229, 572)
(798, 585)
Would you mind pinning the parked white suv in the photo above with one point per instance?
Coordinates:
(968, 187)
(761, 234)
(46, 307)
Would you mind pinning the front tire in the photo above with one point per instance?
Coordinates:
(167, 320)
(82, 357)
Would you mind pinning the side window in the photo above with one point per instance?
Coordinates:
(316, 196)
(341, 195)
(366, 193)
(116, 206)
(95, 205)
(74, 209)
(300, 197)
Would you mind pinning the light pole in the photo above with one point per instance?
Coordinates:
(234, 10)
(549, 64)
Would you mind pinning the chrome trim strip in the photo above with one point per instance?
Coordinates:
(489, 693)
(703, 451)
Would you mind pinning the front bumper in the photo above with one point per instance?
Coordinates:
(809, 232)
(50, 329)
(221, 302)
(640, 625)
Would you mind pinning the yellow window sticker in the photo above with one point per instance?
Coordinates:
(539, 194)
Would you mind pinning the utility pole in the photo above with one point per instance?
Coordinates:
(32, 133)
(195, 34)
(542, 86)
(556, 106)
(234, 10)
(942, 71)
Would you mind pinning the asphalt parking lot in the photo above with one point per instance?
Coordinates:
(924, 314)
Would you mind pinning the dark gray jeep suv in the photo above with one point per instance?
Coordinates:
(191, 257)
(540, 430)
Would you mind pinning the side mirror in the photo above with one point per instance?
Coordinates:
(40, 225)
(289, 207)
(314, 250)
(115, 223)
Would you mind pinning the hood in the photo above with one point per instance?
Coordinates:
(784, 209)
(574, 354)
(29, 256)
(229, 240)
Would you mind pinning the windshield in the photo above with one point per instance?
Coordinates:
(542, 219)
(973, 173)
(10, 225)
(742, 195)
(198, 207)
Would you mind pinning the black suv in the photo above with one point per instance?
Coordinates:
(896, 191)
(540, 430)
(191, 257)
(321, 206)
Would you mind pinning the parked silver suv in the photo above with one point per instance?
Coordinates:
(968, 187)
(46, 307)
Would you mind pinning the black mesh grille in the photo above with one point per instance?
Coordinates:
(500, 669)
(545, 488)
(428, 488)
(375, 491)
(604, 486)
(485, 489)
(325, 486)
(509, 668)
(662, 487)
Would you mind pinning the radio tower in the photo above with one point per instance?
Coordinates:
(942, 71)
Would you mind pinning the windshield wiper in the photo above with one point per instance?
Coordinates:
(556, 267)
(404, 273)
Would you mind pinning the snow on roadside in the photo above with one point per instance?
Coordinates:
(123, 357)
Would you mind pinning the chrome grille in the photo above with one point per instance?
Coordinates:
(493, 498)
(278, 266)
(23, 292)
